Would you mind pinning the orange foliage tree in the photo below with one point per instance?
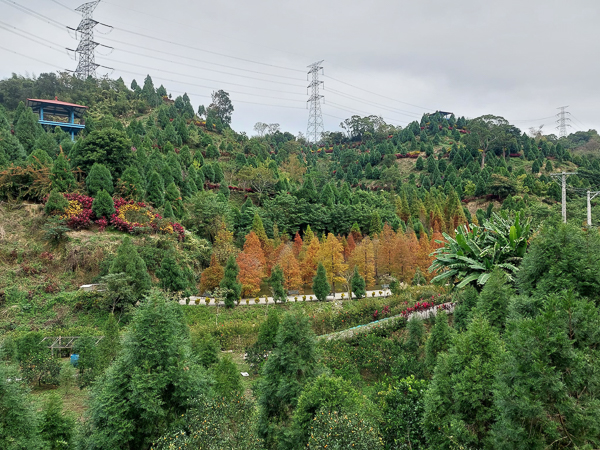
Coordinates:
(332, 258)
(212, 275)
(363, 258)
(309, 263)
(291, 269)
(252, 266)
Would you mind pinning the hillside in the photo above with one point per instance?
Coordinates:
(157, 201)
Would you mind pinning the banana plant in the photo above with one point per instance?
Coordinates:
(475, 251)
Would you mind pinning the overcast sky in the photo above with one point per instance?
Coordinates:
(517, 59)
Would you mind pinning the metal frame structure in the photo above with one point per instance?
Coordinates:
(65, 342)
(315, 116)
(562, 121)
(52, 110)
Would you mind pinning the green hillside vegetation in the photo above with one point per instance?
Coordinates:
(158, 202)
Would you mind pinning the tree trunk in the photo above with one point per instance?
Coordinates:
(482, 159)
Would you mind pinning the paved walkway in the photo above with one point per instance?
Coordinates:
(291, 298)
(350, 332)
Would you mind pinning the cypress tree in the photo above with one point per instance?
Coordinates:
(56, 203)
(131, 184)
(38, 159)
(61, 177)
(103, 205)
(219, 176)
(320, 285)
(129, 262)
(276, 284)
(494, 299)
(170, 274)
(228, 383)
(168, 211)
(438, 340)
(157, 356)
(230, 282)
(209, 172)
(419, 165)
(358, 284)
(376, 226)
(27, 129)
(290, 366)
(173, 196)
(99, 178)
(156, 190)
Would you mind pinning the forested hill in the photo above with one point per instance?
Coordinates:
(188, 166)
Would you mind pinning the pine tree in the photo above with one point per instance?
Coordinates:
(131, 184)
(229, 282)
(219, 175)
(459, 407)
(156, 190)
(289, 367)
(157, 355)
(320, 285)
(259, 230)
(276, 285)
(56, 203)
(494, 299)
(439, 340)
(129, 262)
(212, 275)
(168, 211)
(61, 176)
(228, 382)
(27, 129)
(103, 205)
(173, 196)
(109, 347)
(99, 178)
(170, 274)
(358, 284)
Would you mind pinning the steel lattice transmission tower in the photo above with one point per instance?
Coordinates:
(315, 116)
(87, 59)
(563, 121)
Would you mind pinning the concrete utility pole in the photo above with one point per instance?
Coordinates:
(590, 197)
(563, 176)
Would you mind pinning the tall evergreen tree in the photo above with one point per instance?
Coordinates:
(99, 178)
(151, 384)
(230, 282)
(276, 285)
(131, 184)
(27, 129)
(61, 177)
(358, 284)
(129, 262)
(291, 364)
(170, 274)
(438, 340)
(156, 190)
(320, 285)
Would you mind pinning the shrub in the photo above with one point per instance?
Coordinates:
(56, 203)
(99, 179)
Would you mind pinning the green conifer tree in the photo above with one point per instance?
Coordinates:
(289, 367)
(168, 211)
(358, 285)
(27, 129)
(376, 226)
(439, 340)
(103, 205)
(157, 355)
(128, 261)
(99, 178)
(131, 184)
(56, 203)
(38, 159)
(320, 285)
(170, 274)
(229, 282)
(228, 382)
(494, 299)
(61, 176)
(276, 285)
(156, 190)
(173, 196)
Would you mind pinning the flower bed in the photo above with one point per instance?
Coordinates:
(129, 216)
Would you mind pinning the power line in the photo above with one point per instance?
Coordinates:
(35, 14)
(533, 120)
(31, 57)
(379, 95)
(354, 111)
(163, 19)
(370, 103)
(207, 51)
(200, 78)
